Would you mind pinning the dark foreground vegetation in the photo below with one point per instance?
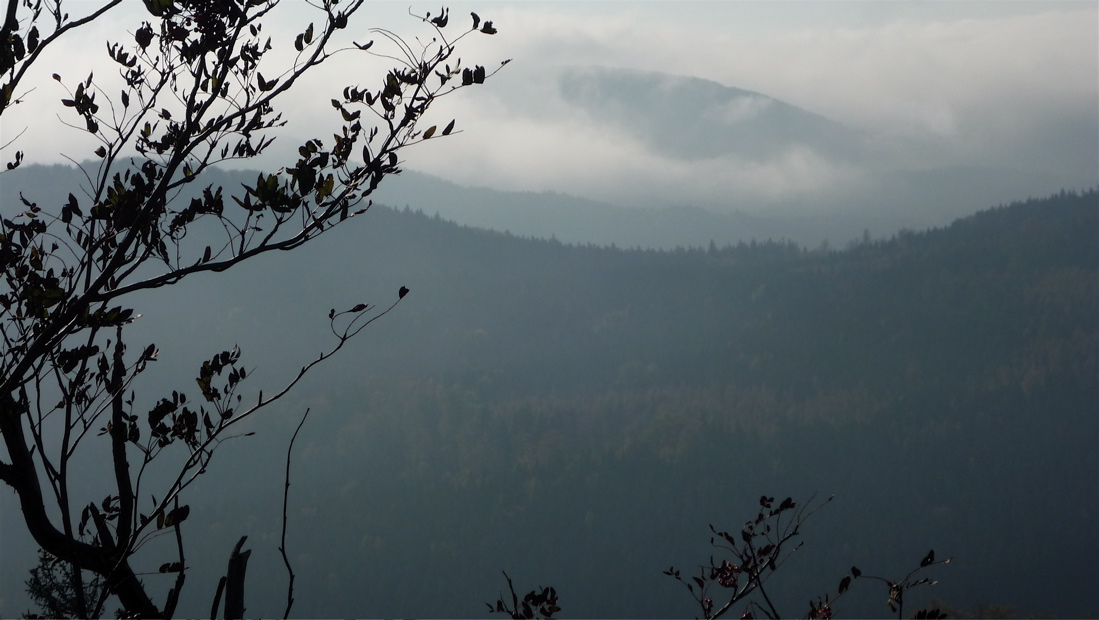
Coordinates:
(98, 469)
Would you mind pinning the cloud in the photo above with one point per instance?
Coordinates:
(927, 84)
(940, 84)
(542, 142)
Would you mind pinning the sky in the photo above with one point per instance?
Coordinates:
(929, 84)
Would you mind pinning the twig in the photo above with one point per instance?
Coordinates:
(285, 497)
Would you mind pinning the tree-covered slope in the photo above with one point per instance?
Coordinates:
(577, 415)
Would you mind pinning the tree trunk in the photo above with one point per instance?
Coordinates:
(22, 476)
(234, 582)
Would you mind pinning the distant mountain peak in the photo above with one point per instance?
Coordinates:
(689, 117)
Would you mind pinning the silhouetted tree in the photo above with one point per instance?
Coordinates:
(193, 88)
(53, 586)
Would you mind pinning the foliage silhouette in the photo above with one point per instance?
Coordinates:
(763, 545)
(190, 94)
(538, 603)
(53, 584)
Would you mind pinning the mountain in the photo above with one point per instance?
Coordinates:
(692, 118)
(577, 415)
(569, 219)
(916, 200)
(656, 140)
(708, 162)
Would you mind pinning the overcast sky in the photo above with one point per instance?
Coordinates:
(985, 83)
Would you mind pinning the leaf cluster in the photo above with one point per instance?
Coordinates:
(53, 586)
(822, 607)
(538, 603)
(758, 550)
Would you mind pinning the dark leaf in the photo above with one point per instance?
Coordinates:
(265, 85)
(929, 559)
(158, 7)
(441, 20)
(179, 515)
(144, 35)
(17, 47)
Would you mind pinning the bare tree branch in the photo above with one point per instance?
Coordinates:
(285, 503)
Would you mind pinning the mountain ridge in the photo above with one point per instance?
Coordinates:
(651, 139)
(711, 119)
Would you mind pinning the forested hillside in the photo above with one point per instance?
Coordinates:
(595, 408)
(577, 415)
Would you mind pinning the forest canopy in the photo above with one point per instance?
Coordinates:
(619, 401)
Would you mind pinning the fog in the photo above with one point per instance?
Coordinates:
(908, 88)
